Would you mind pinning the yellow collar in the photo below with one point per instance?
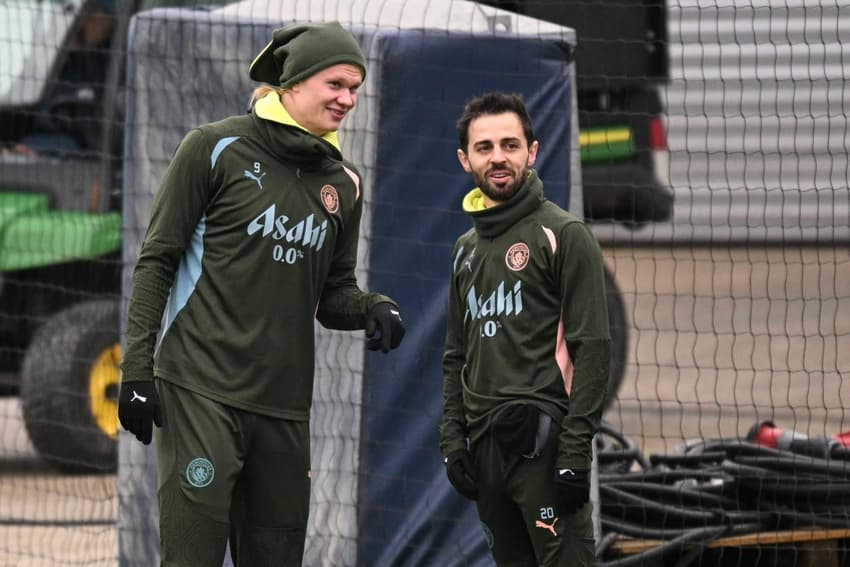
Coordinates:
(270, 108)
(474, 201)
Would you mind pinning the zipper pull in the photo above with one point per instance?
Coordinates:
(298, 172)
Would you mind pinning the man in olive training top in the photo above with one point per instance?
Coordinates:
(252, 238)
(526, 355)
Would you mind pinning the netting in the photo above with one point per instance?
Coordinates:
(705, 142)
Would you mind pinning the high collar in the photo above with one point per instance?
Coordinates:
(493, 221)
(290, 140)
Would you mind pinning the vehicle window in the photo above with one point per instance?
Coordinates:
(31, 34)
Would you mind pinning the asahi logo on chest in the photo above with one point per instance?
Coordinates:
(500, 302)
(306, 232)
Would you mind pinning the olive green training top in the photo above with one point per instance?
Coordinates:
(253, 236)
(527, 322)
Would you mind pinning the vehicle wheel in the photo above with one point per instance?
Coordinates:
(619, 327)
(69, 387)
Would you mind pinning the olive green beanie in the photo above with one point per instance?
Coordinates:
(299, 51)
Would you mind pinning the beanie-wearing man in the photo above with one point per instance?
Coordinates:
(253, 236)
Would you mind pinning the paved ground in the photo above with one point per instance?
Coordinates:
(721, 338)
(41, 510)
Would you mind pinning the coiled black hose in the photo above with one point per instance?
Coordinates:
(713, 488)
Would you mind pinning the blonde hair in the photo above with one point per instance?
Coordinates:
(262, 91)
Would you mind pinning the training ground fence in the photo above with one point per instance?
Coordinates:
(705, 142)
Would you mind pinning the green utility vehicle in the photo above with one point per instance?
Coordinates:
(60, 224)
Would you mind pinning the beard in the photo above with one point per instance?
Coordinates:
(502, 191)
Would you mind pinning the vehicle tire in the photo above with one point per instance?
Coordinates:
(69, 387)
(618, 323)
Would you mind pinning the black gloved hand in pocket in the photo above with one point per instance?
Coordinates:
(461, 472)
(384, 327)
(515, 429)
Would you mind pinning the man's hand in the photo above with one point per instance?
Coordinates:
(573, 490)
(139, 409)
(384, 327)
(461, 472)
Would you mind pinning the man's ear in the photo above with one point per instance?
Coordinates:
(532, 153)
(464, 161)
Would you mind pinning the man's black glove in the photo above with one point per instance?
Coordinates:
(384, 327)
(461, 472)
(139, 409)
(573, 490)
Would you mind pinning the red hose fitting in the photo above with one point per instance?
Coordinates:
(843, 439)
(765, 433)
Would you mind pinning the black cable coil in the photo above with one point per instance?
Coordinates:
(710, 489)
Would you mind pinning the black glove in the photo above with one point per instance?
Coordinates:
(139, 408)
(573, 490)
(384, 327)
(461, 472)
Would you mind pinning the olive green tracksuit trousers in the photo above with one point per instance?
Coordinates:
(516, 506)
(228, 475)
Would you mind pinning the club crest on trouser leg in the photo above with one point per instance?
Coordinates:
(200, 472)
(488, 535)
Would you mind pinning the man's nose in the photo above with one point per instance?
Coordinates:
(347, 98)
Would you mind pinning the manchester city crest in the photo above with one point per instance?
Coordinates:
(488, 535)
(200, 472)
(330, 198)
(517, 256)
